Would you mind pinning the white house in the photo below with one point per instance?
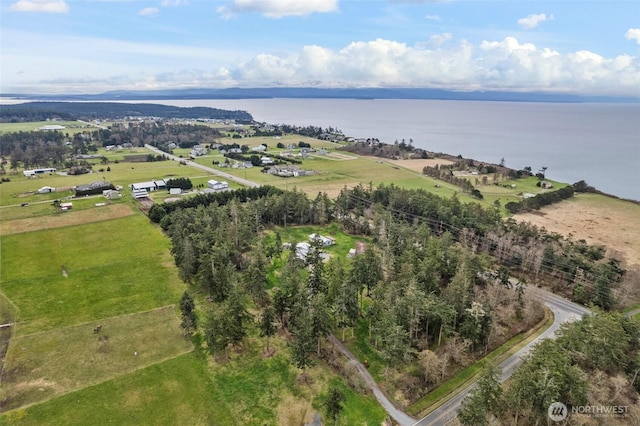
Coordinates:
(266, 161)
(326, 241)
(302, 250)
(259, 148)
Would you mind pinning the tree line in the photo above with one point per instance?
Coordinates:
(40, 111)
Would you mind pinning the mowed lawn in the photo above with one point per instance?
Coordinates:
(113, 267)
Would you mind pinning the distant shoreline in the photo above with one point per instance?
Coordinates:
(326, 93)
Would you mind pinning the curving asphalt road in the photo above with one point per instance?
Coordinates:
(211, 170)
(399, 416)
(563, 311)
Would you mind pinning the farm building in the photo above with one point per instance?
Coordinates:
(93, 188)
(175, 191)
(140, 193)
(217, 186)
(152, 185)
(32, 173)
(46, 190)
(66, 206)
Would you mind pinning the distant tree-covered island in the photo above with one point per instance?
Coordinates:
(40, 111)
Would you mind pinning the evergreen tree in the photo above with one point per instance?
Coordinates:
(334, 403)
(485, 399)
(187, 307)
(267, 326)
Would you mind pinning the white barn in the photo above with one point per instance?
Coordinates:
(217, 186)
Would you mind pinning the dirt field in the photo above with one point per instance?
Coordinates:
(598, 220)
(97, 214)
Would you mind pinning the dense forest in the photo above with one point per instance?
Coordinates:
(41, 111)
(432, 291)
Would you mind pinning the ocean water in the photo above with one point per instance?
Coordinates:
(598, 142)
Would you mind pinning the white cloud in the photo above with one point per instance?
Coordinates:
(149, 11)
(49, 6)
(433, 18)
(439, 62)
(438, 40)
(278, 8)
(492, 65)
(633, 34)
(532, 21)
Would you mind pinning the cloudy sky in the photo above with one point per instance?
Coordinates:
(91, 46)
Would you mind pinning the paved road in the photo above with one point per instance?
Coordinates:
(211, 170)
(397, 415)
(563, 311)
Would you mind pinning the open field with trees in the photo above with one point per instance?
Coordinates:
(223, 305)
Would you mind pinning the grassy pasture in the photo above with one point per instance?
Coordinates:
(71, 127)
(46, 218)
(43, 365)
(21, 189)
(176, 391)
(114, 267)
(333, 173)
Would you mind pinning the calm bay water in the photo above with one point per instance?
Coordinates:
(598, 143)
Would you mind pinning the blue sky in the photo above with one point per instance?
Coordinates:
(83, 46)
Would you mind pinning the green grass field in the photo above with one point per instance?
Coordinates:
(76, 357)
(114, 267)
(176, 391)
(71, 127)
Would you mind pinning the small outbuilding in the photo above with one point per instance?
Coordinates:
(46, 190)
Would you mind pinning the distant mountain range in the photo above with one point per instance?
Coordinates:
(317, 93)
